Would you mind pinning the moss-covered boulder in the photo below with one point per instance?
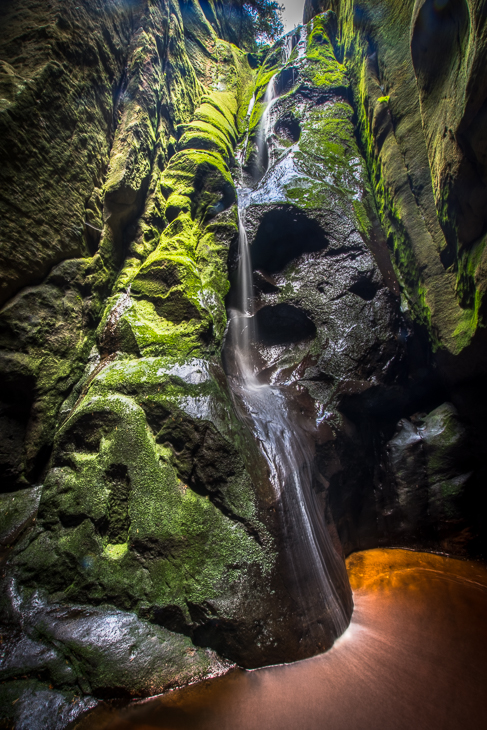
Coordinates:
(179, 534)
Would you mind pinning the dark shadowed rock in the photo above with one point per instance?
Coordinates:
(17, 511)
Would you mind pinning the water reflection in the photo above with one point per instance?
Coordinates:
(414, 656)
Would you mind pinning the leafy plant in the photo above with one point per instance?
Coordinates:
(266, 16)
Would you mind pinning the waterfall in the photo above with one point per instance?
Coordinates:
(269, 97)
(316, 577)
(264, 132)
(288, 46)
(241, 154)
(242, 323)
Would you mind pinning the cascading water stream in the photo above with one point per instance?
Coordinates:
(243, 151)
(265, 122)
(315, 569)
(269, 98)
(316, 576)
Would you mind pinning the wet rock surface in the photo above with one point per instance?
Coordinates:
(330, 330)
(102, 652)
(423, 168)
(427, 456)
(18, 510)
(420, 167)
(88, 653)
(29, 705)
(403, 599)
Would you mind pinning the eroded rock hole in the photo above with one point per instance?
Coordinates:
(283, 324)
(439, 37)
(92, 237)
(288, 128)
(16, 399)
(284, 234)
(264, 284)
(172, 618)
(86, 433)
(365, 289)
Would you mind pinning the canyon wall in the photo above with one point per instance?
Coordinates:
(141, 548)
(419, 99)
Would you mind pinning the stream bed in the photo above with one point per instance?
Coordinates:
(414, 656)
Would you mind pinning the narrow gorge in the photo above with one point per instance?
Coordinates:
(243, 359)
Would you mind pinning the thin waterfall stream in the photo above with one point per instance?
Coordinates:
(265, 122)
(317, 578)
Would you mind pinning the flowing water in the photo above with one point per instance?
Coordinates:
(265, 123)
(317, 578)
(316, 573)
(269, 98)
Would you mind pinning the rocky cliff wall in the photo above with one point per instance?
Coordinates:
(418, 97)
(120, 121)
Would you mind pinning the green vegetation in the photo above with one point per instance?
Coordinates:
(266, 19)
(323, 68)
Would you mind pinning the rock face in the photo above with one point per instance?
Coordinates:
(422, 169)
(418, 111)
(141, 544)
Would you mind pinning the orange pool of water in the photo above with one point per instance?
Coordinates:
(413, 658)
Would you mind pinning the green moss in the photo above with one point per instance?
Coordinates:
(330, 163)
(322, 68)
(116, 552)
(156, 335)
(180, 287)
(468, 324)
(403, 193)
(212, 112)
(469, 266)
(391, 215)
(204, 136)
(364, 222)
(200, 551)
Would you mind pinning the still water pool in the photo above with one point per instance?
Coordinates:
(414, 657)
